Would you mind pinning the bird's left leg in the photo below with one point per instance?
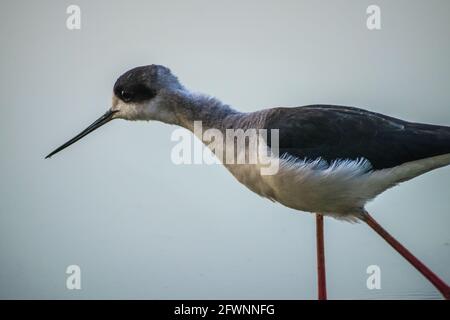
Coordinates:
(422, 268)
(321, 277)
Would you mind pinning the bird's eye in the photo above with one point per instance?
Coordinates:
(126, 95)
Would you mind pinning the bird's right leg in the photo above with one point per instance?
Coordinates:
(423, 269)
(321, 276)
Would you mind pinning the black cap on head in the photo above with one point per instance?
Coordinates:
(143, 83)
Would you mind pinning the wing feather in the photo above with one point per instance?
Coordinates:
(347, 133)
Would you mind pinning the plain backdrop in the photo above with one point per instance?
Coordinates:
(141, 227)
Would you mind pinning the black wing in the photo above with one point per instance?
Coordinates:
(336, 132)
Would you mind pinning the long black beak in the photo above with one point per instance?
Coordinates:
(108, 116)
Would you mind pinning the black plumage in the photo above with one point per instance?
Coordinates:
(338, 132)
(143, 83)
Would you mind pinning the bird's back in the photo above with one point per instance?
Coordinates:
(336, 132)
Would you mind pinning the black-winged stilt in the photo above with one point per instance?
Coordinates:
(332, 159)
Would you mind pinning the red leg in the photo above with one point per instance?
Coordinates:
(423, 269)
(322, 283)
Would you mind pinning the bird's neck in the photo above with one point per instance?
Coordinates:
(188, 107)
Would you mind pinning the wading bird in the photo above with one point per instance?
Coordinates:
(332, 159)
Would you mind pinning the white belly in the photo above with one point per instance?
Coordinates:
(341, 189)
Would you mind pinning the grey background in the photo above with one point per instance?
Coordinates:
(142, 227)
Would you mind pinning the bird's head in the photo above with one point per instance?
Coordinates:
(142, 93)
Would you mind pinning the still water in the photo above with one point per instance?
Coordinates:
(139, 226)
